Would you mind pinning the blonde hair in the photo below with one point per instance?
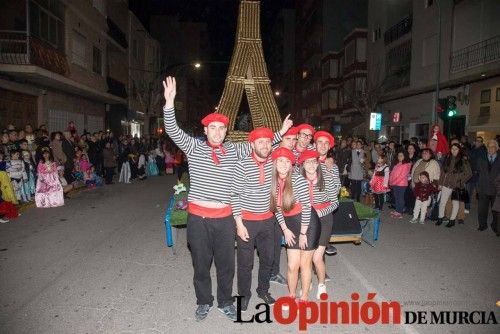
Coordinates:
(288, 200)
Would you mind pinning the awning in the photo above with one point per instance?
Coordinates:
(45, 78)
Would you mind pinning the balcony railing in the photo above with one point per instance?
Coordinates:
(116, 87)
(398, 30)
(17, 48)
(481, 53)
(117, 34)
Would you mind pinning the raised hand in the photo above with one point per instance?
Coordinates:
(287, 124)
(169, 91)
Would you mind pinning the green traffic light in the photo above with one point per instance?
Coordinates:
(452, 113)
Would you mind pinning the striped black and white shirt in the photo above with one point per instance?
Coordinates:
(330, 193)
(208, 181)
(301, 195)
(336, 176)
(246, 191)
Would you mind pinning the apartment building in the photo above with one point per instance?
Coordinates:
(52, 64)
(321, 26)
(405, 39)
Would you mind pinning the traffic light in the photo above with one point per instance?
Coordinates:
(452, 106)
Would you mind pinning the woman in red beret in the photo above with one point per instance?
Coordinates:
(291, 204)
(323, 195)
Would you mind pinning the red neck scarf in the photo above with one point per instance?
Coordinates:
(322, 159)
(214, 155)
(260, 164)
(299, 149)
(311, 184)
(281, 189)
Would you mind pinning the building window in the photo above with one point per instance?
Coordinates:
(484, 115)
(97, 60)
(376, 34)
(334, 68)
(498, 94)
(324, 100)
(78, 49)
(485, 96)
(332, 99)
(428, 3)
(47, 22)
(325, 71)
(304, 74)
(350, 53)
(361, 49)
(398, 66)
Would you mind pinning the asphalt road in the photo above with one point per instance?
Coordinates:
(100, 265)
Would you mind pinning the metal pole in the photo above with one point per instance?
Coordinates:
(28, 28)
(438, 64)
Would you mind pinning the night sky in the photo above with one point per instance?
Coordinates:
(220, 16)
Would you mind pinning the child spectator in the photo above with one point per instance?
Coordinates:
(152, 169)
(66, 187)
(398, 181)
(29, 166)
(380, 181)
(49, 192)
(423, 191)
(17, 174)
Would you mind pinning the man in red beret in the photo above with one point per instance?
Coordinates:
(324, 141)
(290, 138)
(210, 224)
(255, 223)
(305, 134)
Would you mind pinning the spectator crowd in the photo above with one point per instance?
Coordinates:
(425, 178)
(44, 168)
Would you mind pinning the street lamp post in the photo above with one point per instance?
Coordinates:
(438, 64)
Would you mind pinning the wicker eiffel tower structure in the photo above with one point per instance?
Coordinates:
(248, 72)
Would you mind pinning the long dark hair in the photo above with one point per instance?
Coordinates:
(406, 158)
(288, 198)
(319, 174)
(458, 167)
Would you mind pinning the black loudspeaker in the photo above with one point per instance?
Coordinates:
(345, 220)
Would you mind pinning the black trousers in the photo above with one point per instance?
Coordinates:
(278, 234)
(212, 239)
(261, 237)
(485, 203)
(379, 201)
(356, 190)
(108, 174)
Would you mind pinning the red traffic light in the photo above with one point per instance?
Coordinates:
(439, 108)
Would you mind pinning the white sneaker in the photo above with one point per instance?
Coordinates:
(321, 289)
(413, 220)
(466, 211)
(3, 220)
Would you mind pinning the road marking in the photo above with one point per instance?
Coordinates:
(408, 329)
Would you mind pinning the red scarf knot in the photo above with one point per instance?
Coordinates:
(214, 155)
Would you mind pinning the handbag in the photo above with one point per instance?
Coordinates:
(460, 194)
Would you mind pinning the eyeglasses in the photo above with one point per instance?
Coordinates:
(305, 135)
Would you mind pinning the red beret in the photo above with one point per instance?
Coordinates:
(327, 135)
(305, 126)
(215, 117)
(283, 152)
(292, 131)
(308, 154)
(260, 133)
